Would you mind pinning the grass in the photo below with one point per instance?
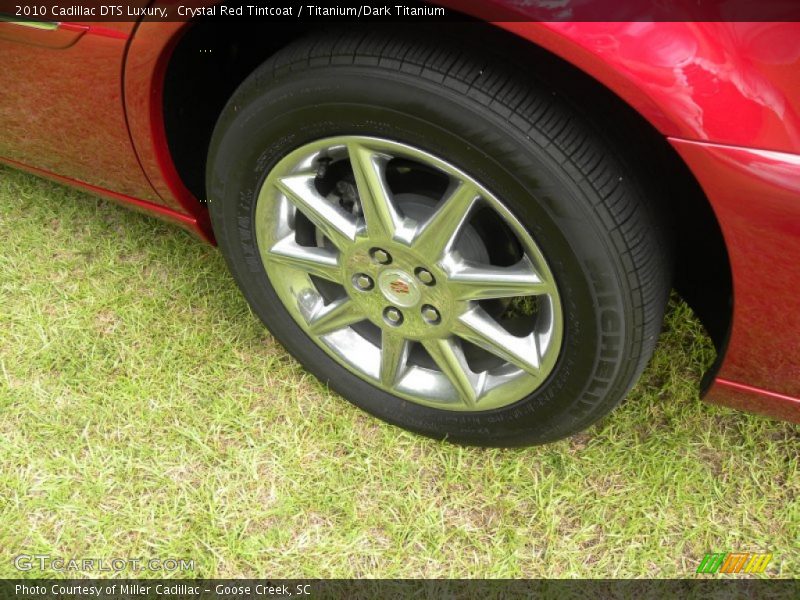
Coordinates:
(145, 412)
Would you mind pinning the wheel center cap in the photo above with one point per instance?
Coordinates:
(399, 288)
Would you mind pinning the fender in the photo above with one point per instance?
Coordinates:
(727, 83)
(706, 86)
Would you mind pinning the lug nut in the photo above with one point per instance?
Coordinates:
(430, 314)
(380, 256)
(425, 276)
(392, 315)
(363, 282)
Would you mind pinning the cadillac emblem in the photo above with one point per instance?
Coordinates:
(399, 288)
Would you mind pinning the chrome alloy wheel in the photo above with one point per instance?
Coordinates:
(409, 273)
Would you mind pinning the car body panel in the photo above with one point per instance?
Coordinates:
(731, 83)
(78, 128)
(727, 95)
(145, 69)
(753, 399)
(756, 198)
(78, 132)
(157, 210)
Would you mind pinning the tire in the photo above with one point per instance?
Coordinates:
(560, 199)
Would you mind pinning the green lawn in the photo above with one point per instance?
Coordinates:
(145, 412)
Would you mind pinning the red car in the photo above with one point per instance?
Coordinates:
(468, 229)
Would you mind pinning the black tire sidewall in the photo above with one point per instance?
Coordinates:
(267, 119)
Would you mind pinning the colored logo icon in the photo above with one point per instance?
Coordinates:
(734, 562)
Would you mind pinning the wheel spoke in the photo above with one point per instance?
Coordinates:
(438, 233)
(373, 193)
(339, 227)
(338, 315)
(450, 358)
(470, 282)
(320, 262)
(477, 327)
(405, 272)
(394, 352)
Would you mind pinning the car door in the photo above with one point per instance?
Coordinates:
(61, 103)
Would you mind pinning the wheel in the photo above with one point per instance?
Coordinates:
(445, 243)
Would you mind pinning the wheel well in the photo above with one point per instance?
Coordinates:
(213, 57)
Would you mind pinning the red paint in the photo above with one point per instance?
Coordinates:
(61, 111)
(732, 83)
(76, 27)
(157, 210)
(63, 37)
(745, 397)
(103, 31)
(145, 70)
(726, 94)
(756, 197)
